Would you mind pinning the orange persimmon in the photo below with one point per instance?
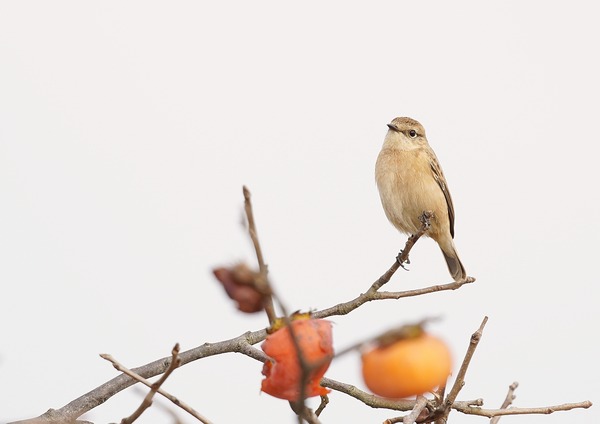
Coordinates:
(283, 374)
(407, 367)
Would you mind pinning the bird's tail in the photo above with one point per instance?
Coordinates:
(455, 266)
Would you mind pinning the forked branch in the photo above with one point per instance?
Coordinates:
(244, 344)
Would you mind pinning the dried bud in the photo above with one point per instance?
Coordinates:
(239, 284)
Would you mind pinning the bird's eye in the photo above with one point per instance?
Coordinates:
(412, 133)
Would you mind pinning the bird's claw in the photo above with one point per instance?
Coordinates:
(401, 262)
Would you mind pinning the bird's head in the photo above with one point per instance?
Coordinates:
(405, 134)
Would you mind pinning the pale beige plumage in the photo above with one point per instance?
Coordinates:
(410, 182)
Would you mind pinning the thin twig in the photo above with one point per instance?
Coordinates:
(147, 402)
(490, 413)
(306, 368)
(304, 413)
(169, 396)
(368, 399)
(309, 416)
(510, 396)
(262, 282)
(390, 336)
(299, 405)
(439, 394)
(460, 377)
(159, 404)
(84, 403)
(416, 411)
(322, 405)
(372, 294)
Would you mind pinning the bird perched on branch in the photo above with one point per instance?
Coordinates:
(410, 182)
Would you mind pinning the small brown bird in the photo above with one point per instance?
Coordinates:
(410, 182)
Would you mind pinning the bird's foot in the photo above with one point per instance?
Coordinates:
(401, 261)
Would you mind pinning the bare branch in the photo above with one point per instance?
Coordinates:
(490, 413)
(147, 402)
(81, 405)
(367, 398)
(439, 394)
(390, 336)
(306, 368)
(159, 404)
(372, 294)
(416, 411)
(510, 396)
(460, 377)
(307, 414)
(155, 388)
(322, 405)
(243, 344)
(262, 282)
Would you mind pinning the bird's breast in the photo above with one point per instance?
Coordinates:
(407, 188)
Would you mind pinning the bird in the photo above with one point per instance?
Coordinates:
(410, 182)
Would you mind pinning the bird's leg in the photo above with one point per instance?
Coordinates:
(403, 259)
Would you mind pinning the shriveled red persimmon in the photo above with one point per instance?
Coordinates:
(239, 283)
(407, 367)
(283, 375)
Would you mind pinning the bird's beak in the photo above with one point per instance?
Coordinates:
(393, 127)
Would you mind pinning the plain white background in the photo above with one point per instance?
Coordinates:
(127, 130)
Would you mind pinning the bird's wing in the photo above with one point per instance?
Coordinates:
(438, 175)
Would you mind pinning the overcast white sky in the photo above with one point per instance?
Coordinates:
(127, 130)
